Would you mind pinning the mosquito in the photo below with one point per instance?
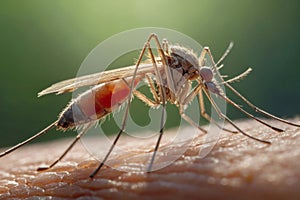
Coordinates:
(170, 77)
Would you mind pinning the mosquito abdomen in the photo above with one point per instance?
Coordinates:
(96, 103)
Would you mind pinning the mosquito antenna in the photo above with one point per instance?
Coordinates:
(220, 67)
(225, 53)
(29, 139)
(239, 77)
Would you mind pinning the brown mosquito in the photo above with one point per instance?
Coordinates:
(169, 75)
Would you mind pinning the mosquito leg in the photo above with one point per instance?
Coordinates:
(258, 109)
(107, 155)
(231, 122)
(145, 99)
(192, 95)
(189, 120)
(207, 116)
(152, 88)
(162, 92)
(249, 115)
(29, 139)
(170, 81)
(154, 92)
(185, 99)
(152, 103)
(126, 111)
(161, 131)
(68, 149)
(163, 100)
(162, 95)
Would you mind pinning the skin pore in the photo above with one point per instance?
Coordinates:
(236, 168)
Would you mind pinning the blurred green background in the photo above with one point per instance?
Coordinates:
(43, 42)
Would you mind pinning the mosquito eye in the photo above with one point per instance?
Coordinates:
(206, 73)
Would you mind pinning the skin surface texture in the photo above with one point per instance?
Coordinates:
(236, 168)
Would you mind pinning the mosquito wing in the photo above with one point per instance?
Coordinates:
(93, 79)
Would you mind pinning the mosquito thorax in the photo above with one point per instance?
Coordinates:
(184, 61)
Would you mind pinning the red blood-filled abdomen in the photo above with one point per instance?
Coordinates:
(96, 102)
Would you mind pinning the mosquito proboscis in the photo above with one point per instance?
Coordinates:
(169, 75)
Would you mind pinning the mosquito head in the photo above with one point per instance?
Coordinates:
(206, 73)
(207, 76)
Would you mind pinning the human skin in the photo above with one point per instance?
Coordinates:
(236, 168)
